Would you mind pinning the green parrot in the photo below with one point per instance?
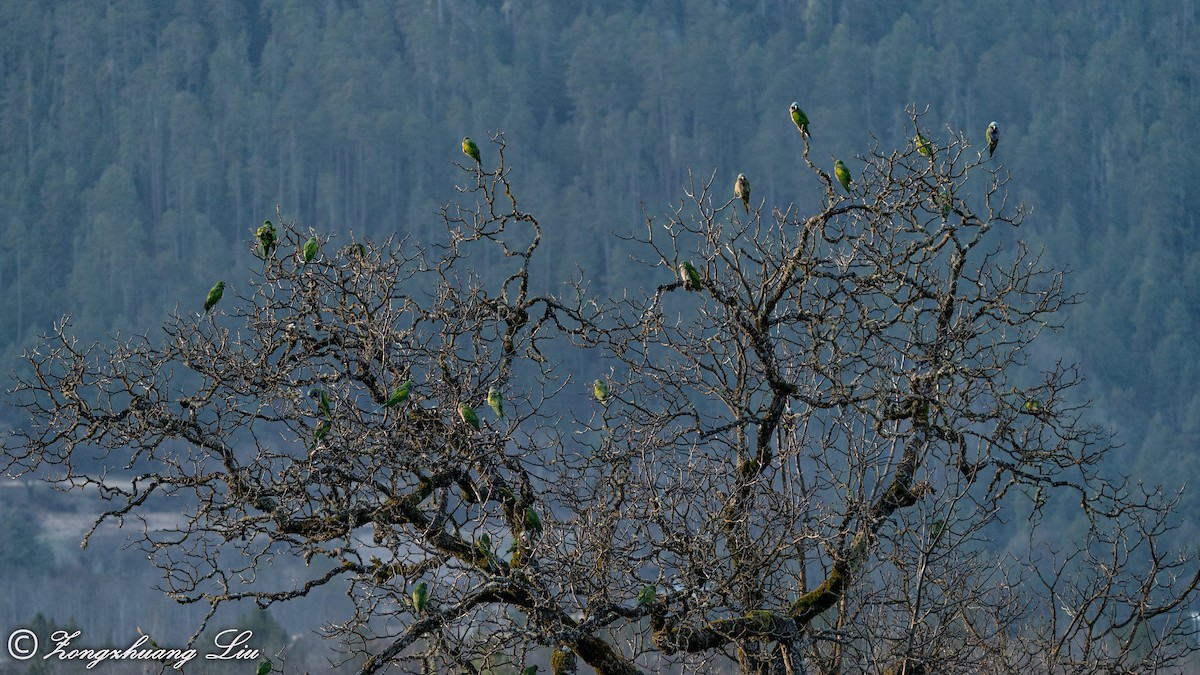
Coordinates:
(800, 119)
(923, 146)
(467, 413)
(496, 401)
(843, 175)
(484, 546)
(420, 597)
(321, 431)
(533, 524)
(647, 594)
(600, 390)
(264, 667)
(993, 137)
(741, 190)
(399, 394)
(214, 296)
(689, 276)
(267, 236)
(322, 400)
(1033, 406)
(471, 150)
(531, 670)
(937, 530)
(310, 250)
(356, 250)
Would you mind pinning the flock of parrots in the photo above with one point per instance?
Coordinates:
(689, 276)
(741, 186)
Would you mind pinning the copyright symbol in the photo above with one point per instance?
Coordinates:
(22, 644)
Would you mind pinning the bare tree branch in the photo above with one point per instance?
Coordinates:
(802, 461)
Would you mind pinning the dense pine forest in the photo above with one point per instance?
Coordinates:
(142, 142)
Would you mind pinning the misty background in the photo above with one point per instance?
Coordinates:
(142, 142)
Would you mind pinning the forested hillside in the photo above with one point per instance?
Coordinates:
(142, 142)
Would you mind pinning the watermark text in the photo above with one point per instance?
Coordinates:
(227, 645)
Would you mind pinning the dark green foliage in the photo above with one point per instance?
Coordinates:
(847, 256)
(269, 635)
(44, 627)
(21, 544)
(132, 172)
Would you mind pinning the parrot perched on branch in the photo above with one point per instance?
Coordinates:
(993, 137)
(495, 401)
(267, 236)
(843, 175)
(471, 150)
(689, 276)
(923, 146)
(741, 190)
(322, 399)
(420, 597)
(799, 118)
(214, 296)
(399, 395)
(467, 413)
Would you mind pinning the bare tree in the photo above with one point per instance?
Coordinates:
(797, 460)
